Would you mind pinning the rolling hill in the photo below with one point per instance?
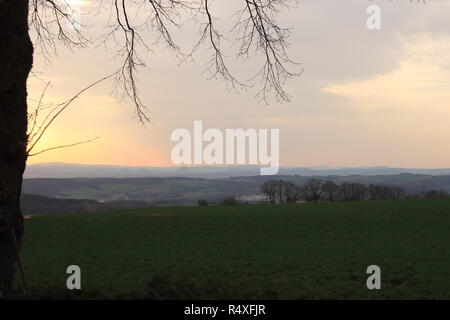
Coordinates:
(173, 190)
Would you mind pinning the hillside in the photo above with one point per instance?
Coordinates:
(36, 205)
(173, 190)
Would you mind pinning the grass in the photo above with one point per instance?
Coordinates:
(301, 251)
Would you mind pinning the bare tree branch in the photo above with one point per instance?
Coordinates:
(258, 32)
(258, 28)
(62, 147)
(53, 23)
(36, 131)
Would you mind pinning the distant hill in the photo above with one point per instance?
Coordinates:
(66, 170)
(173, 190)
(38, 205)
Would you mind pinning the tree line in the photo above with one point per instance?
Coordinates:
(315, 190)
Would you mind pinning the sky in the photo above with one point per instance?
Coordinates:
(365, 97)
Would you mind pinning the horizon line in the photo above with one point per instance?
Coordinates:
(314, 167)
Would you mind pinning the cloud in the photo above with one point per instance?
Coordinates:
(422, 80)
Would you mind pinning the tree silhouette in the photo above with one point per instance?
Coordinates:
(312, 189)
(31, 27)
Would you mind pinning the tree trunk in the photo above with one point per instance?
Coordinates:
(16, 58)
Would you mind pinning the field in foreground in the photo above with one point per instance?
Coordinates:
(301, 251)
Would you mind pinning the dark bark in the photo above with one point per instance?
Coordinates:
(16, 58)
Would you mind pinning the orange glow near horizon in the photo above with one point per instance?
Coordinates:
(384, 102)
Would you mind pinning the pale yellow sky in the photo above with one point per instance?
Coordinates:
(366, 98)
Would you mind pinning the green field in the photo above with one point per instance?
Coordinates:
(301, 251)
